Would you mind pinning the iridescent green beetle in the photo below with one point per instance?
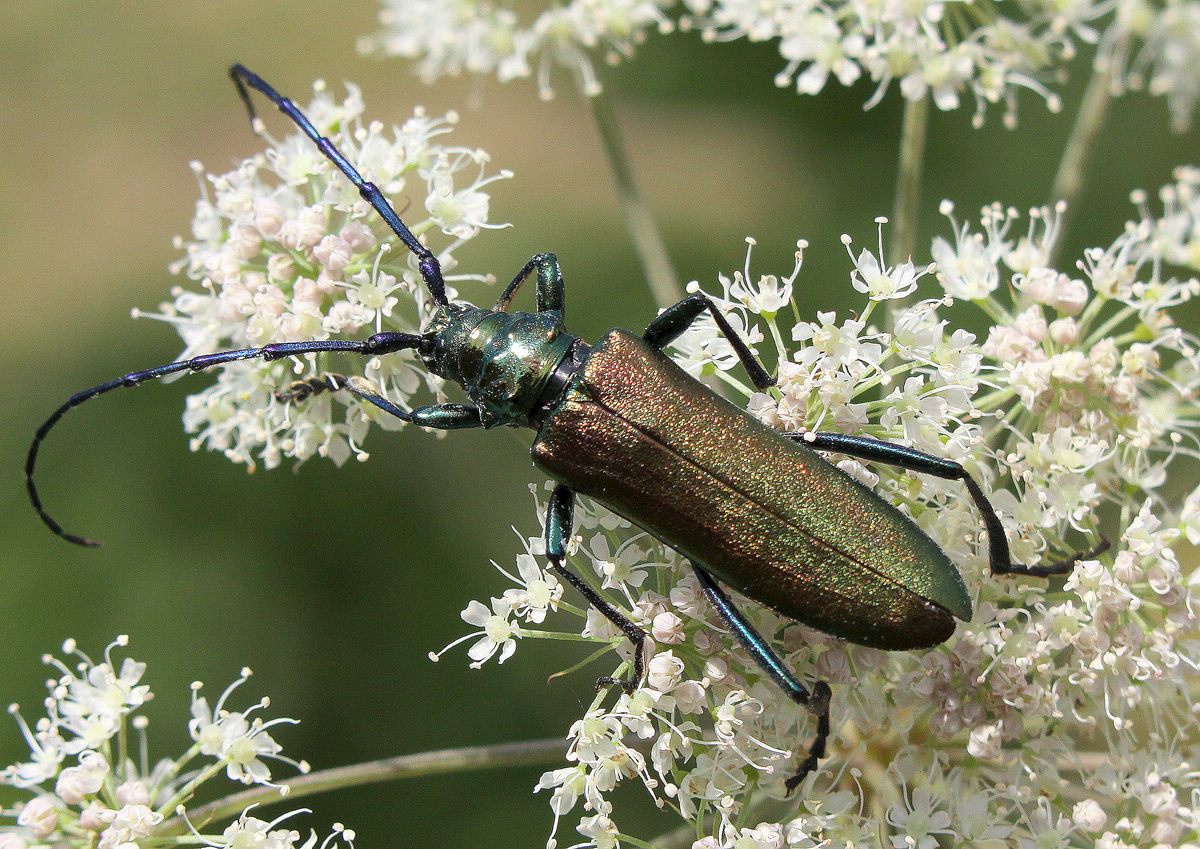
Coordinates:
(618, 421)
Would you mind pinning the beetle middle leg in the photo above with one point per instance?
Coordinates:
(816, 701)
(674, 320)
(438, 416)
(559, 520)
(999, 557)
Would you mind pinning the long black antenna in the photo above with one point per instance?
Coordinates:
(431, 269)
(380, 343)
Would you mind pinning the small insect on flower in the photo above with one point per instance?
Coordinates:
(749, 507)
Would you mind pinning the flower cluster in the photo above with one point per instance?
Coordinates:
(283, 248)
(948, 50)
(450, 37)
(1062, 713)
(943, 50)
(89, 787)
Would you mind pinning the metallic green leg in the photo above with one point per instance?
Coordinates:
(876, 450)
(674, 320)
(559, 518)
(551, 291)
(817, 702)
(438, 416)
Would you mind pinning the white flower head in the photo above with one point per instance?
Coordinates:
(110, 796)
(283, 248)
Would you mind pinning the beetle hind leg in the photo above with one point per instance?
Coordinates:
(559, 519)
(999, 557)
(816, 701)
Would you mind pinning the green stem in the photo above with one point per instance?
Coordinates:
(643, 232)
(438, 762)
(908, 190)
(1069, 179)
(559, 635)
(729, 379)
(184, 793)
(1111, 324)
(986, 403)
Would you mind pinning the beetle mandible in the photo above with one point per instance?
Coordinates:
(617, 420)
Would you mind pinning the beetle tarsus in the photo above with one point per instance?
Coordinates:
(627, 684)
(1058, 567)
(818, 704)
(302, 390)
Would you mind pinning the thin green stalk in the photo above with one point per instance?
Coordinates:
(438, 762)
(1111, 324)
(186, 791)
(913, 131)
(643, 232)
(559, 635)
(1069, 179)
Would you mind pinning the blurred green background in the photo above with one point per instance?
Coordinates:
(333, 584)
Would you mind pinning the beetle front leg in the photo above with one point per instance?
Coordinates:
(674, 320)
(551, 291)
(817, 702)
(999, 557)
(559, 521)
(437, 416)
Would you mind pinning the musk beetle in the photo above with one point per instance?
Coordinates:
(750, 507)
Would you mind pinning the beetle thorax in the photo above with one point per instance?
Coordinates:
(503, 360)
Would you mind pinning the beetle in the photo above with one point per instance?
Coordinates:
(752, 508)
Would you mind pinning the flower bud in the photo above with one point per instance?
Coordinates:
(690, 697)
(664, 670)
(268, 216)
(281, 267)
(39, 816)
(1064, 331)
(76, 783)
(1070, 296)
(1088, 815)
(133, 793)
(984, 742)
(668, 628)
(96, 817)
(1031, 324)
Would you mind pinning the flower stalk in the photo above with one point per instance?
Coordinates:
(913, 131)
(420, 765)
(643, 229)
(1068, 181)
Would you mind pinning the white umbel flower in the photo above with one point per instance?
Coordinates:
(106, 795)
(284, 249)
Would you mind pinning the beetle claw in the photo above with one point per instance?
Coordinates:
(810, 763)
